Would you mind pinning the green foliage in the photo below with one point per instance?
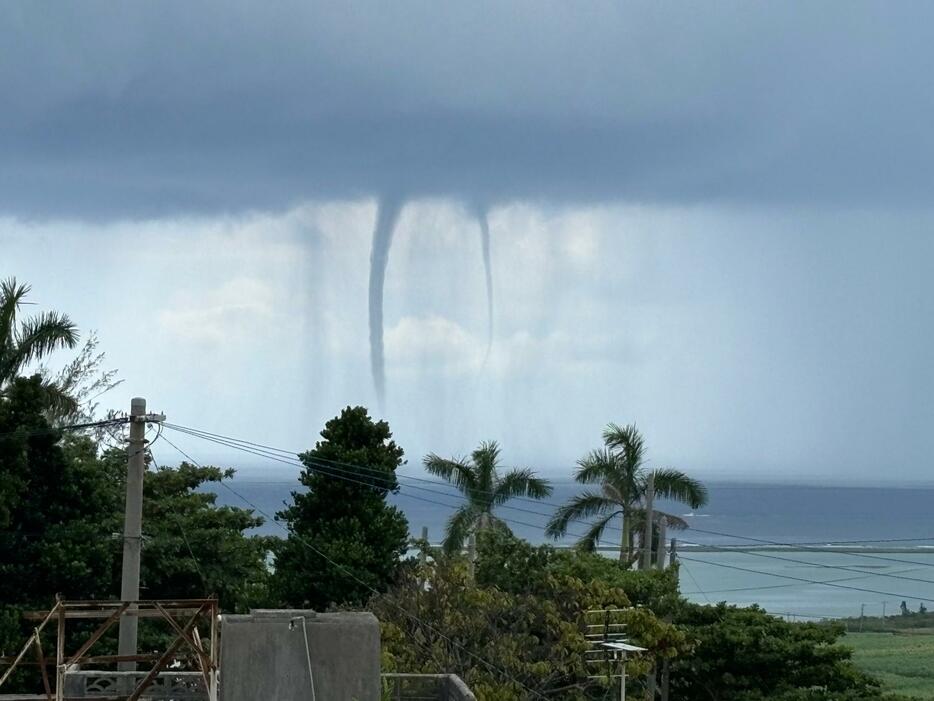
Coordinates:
(901, 660)
(744, 654)
(525, 613)
(434, 621)
(58, 506)
(344, 515)
(514, 565)
(194, 548)
(478, 479)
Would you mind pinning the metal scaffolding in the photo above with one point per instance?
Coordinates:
(182, 618)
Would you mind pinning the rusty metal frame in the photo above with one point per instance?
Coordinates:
(109, 612)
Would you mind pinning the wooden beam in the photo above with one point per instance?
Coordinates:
(98, 634)
(16, 661)
(163, 660)
(45, 674)
(188, 638)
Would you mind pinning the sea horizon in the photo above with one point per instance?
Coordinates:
(725, 553)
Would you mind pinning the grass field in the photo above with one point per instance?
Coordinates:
(903, 661)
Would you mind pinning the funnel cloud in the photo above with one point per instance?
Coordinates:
(484, 223)
(387, 217)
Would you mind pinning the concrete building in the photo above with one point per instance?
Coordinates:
(300, 655)
(289, 655)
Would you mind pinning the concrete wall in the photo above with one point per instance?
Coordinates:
(263, 656)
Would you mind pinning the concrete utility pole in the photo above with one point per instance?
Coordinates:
(423, 554)
(472, 556)
(647, 537)
(662, 535)
(133, 527)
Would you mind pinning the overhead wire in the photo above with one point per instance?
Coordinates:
(802, 579)
(818, 565)
(867, 575)
(338, 473)
(804, 548)
(293, 456)
(350, 476)
(539, 502)
(52, 430)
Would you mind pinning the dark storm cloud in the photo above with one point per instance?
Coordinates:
(156, 108)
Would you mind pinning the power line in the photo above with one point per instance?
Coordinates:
(341, 474)
(867, 556)
(686, 569)
(52, 430)
(842, 568)
(230, 441)
(261, 451)
(782, 586)
(803, 579)
(771, 613)
(485, 663)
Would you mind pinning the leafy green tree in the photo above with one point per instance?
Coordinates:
(194, 548)
(59, 507)
(725, 652)
(516, 566)
(620, 471)
(745, 654)
(24, 341)
(529, 634)
(480, 482)
(343, 517)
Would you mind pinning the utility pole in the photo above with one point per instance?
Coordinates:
(647, 537)
(423, 554)
(472, 556)
(662, 551)
(133, 527)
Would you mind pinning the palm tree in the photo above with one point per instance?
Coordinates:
(25, 341)
(619, 469)
(484, 489)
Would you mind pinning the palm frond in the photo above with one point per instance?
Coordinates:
(12, 295)
(591, 539)
(628, 441)
(40, 335)
(582, 506)
(521, 483)
(596, 467)
(672, 521)
(677, 486)
(59, 404)
(487, 455)
(457, 472)
(459, 526)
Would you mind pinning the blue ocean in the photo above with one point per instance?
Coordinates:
(807, 552)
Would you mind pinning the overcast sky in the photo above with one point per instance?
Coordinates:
(714, 220)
